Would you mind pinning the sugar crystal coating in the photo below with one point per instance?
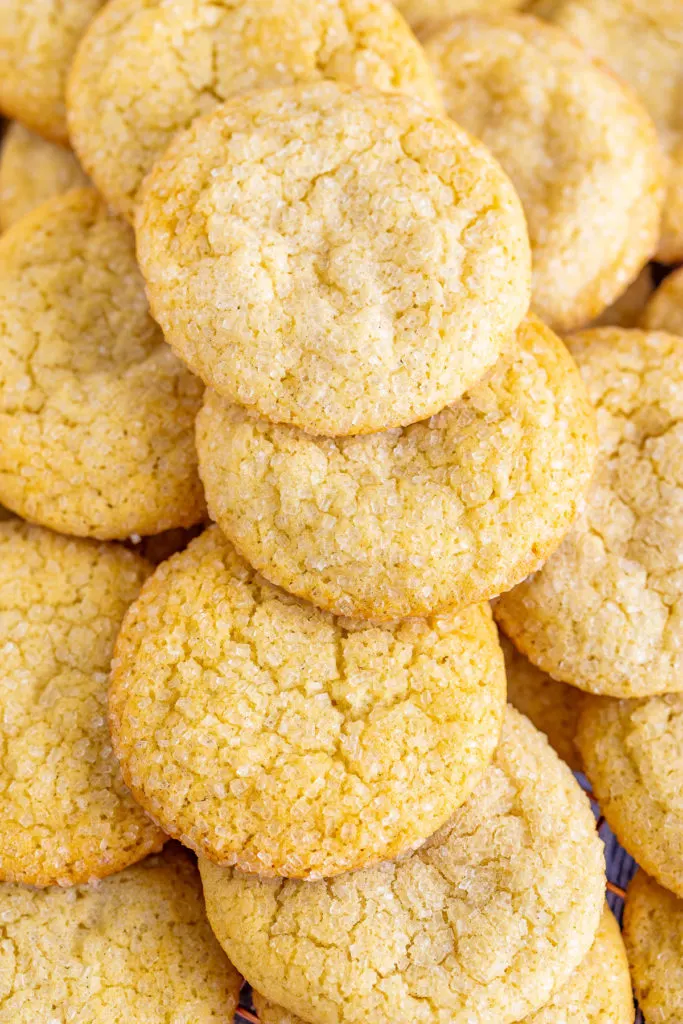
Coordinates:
(265, 733)
(136, 948)
(96, 413)
(66, 814)
(604, 612)
(653, 933)
(340, 260)
(445, 513)
(484, 921)
(146, 69)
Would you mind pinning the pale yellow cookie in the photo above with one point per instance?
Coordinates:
(627, 310)
(580, 149)
(604, 613)
(31, 171)
(147, 68)
(264, 733)
(483, 922)
(339, 260)
(598, 992)
(426, 16)
(38, 39)
(439, 515)
(96, 413)
(633, 755)
(552, 706)
(135, 949)
(664, 311)
(642, 41)
(66, 814)
(653, 933)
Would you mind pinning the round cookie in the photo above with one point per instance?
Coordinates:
(653, 933)
(38, 39)
(136, 947)
(628, 309)
(633, 755)
(483, 922)
(426, 16)
(598, 991)
(339, 260)
(581, 151)
(439, 515)
(146, 69)
(67, 815)
(604, 612)
(664, 311)
(96, 413)
(31, 171)
(642, 42)
(552, 706)
(265, 733)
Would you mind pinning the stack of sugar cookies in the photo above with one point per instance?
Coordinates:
(276, 424)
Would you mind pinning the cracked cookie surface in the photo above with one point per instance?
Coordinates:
(265, 733)
(552, 706)
(96, 412)
(642, 42)
(38, 39)
(604, 612)
(147, 68)
(598, 991)
(580, 149)
(342, 261)
(664, 311)
(484, 921)
(32, 169)
(66, 814)
(633, 755)
(441, 514)
(653, 933)
(136, 947)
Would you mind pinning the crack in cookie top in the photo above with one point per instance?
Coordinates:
(339, 260)
(604, 612)
(265, 733)
(438, 515)
(483, 922)
(147, 68)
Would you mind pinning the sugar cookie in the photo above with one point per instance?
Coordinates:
(340, 260)
(653, 933)
(66, 814)
(552, 706)
(264, 733)
(633, 753)
(642, 41)
(604, 613)
(31, 171)
(38, 39)
(580, 149)
(96, 413)
(483, 922)
(442, 514)
(664, 311)
(426, 16)
(135, 948)
(598, 991)
(146, 69)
